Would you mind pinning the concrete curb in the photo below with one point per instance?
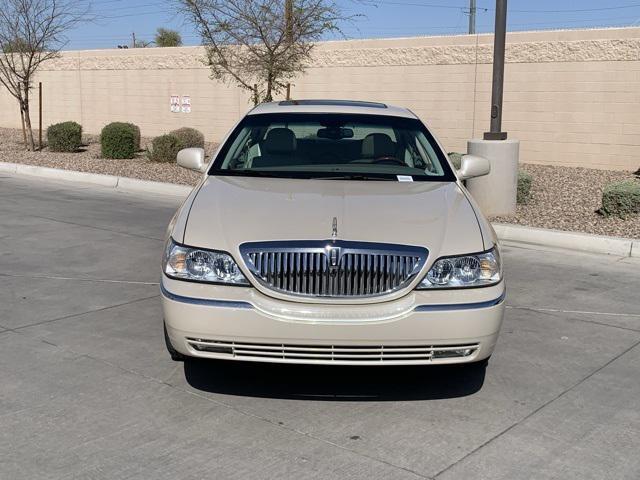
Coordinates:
(622, 247)
(584, 242)
(8, 167)
(121, 183)
(133, 184)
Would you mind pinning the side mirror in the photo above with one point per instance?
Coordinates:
(192, 158)
(472, 166)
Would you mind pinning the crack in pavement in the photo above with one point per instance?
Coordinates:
(534, 412)
(73, 315)
(585, 312)
(79, 279)
(65, 222)
(98, 228)
(554, 312)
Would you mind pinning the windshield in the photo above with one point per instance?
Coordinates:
(332, 147)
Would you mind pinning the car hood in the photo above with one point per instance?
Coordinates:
(229, 211)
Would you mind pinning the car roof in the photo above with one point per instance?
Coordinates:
(332, 106)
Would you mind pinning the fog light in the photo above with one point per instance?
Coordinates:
(213, 349)
(204, 345)
(463, 352)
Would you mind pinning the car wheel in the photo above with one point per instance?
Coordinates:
(175, 355)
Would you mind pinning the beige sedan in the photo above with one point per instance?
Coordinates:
(331, 232)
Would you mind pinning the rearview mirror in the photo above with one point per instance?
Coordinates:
(472, 166)
(335, 133)
(192, 158)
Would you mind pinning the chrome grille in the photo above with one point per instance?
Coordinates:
(333, 268)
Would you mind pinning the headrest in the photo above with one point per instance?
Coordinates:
(376, 145)
(280, 140)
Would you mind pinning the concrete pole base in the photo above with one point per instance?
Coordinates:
(496, 193)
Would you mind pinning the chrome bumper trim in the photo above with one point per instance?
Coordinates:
(205, 301)
(445, 307)
(460, 306)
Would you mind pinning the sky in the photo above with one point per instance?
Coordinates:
(118, 19)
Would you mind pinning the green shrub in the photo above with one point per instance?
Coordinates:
(621, 198)
(524, 187)
(120, 140)
(190, 137)
(136, 130)
(165, 148)
(456, 159)
(64, 137)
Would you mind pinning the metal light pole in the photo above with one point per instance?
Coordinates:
(496, 193)
(472, 16)
(496, 132)
(39, 115)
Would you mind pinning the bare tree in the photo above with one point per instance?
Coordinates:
(142, 44)
(32, 32)
(261, 45)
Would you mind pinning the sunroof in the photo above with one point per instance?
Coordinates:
(334, 103)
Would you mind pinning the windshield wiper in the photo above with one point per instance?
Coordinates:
(356, 176)
(246, 173)
(300, 175)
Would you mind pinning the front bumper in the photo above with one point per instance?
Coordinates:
(423, 327)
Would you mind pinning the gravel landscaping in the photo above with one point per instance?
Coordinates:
(88, 160)
(562, 198)
(566, 198)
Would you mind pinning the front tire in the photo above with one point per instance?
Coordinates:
(176, 356)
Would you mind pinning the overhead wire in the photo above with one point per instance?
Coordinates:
(354, 33)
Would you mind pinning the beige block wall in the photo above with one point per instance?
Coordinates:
(571, 97)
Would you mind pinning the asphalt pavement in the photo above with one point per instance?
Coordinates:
(87, 390)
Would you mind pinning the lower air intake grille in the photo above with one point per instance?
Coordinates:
(364, 354)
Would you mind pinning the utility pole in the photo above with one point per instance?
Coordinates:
(288, 19)
(133, 36)
(472, 17)
(496, 132)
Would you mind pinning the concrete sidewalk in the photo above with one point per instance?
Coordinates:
(88, 391)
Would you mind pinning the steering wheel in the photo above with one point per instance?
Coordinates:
(389, 159)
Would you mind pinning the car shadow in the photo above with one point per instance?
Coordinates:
(334, 383)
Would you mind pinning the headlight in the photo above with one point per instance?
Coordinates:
(187, 263)
(476, 270)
